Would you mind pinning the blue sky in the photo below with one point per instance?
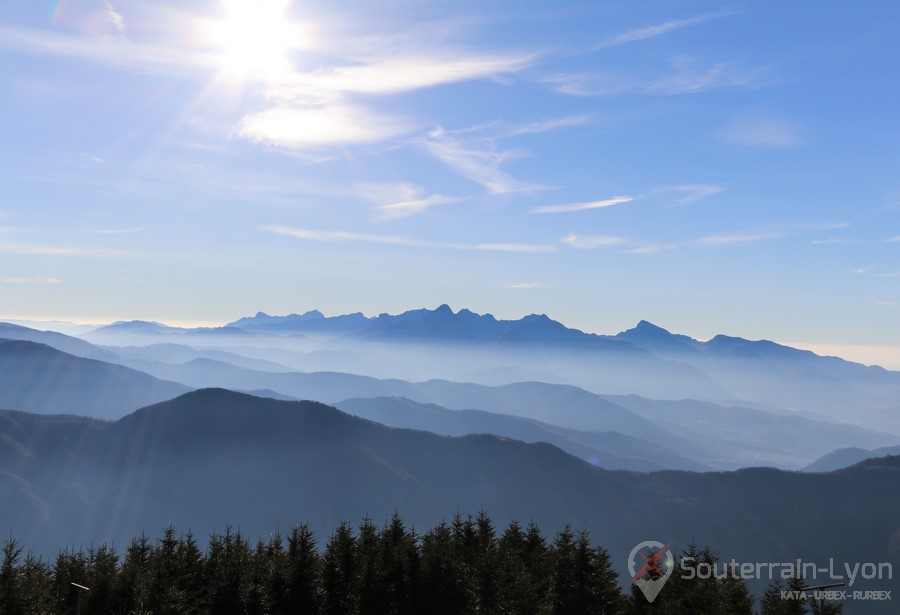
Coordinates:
(710, 167)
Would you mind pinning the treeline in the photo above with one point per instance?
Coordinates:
(453, 569)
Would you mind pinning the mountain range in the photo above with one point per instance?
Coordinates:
(646, 360)
(214, 457)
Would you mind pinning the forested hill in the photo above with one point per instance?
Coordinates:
(214, 457)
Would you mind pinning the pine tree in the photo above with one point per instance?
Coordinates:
(399, 567)
(304, 582)
(190, 579)
(135, 578)
(443, 587)
(10, 583)
(103, 578)
(36, 585)
(369, 583)
(339, 572)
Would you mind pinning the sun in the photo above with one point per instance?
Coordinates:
(255, 38)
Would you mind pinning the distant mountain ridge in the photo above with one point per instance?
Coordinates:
(35, 377)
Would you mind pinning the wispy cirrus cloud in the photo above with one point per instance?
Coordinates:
(547, 125)
(686, 77)
(399, 240)
(734, 239)
(7, 247)
(415, 206)
(117, 231)
(478, 160)
(522, 285)
(652, 31)
(119, 53)
(567, 207)
(686, 194)
(587, 242)
(318, 124)
(400, 199)
(33, 280)
(893, 239)
(392, 74)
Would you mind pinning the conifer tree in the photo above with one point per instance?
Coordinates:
(304, 582)
(339, 572)
(10, 585)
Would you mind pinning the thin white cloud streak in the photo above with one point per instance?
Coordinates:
(33, 280)
(412, 242)
(648, 32)
(556, 209)
(548, 125)
(588, 242)
(478, 161)
(686, 79)
(120, 54)
(401, 199)
(831, 241)
(415, 206)
(523, 285)
(117, 231)
(43, 250)
(893, 239)
(403, 73)
(652, 248)
(862, 270)
(736, 239)
(691, 193)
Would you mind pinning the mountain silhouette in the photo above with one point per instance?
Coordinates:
(37, 378)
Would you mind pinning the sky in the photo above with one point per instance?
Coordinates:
(711, 167)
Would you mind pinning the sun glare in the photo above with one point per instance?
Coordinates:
(255, 37)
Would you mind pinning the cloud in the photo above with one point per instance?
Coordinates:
(831, 241)
(862, 270)
(523, 285)
(35, 280)
(547, 125)
(555, 209)
(476, 160)
(415, 206)
(318, 109)
(404, 73)
(401, 199)
(592, 241)
(648, 32)
(735, 239)
(44, 250)
(652, 248)
(760, 131)
(316, 125)
(117, 231)
(117, 53)
(689, 193)
(348, 236)
(893, 239)
(686, 78)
